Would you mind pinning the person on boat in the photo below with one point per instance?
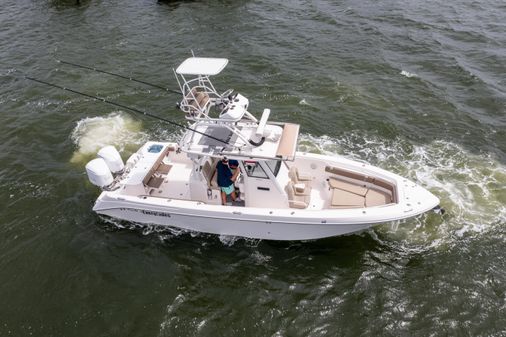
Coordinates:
(226, 179)
(234, 167)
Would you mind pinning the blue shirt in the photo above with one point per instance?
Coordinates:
(224, 175)
(233, 164)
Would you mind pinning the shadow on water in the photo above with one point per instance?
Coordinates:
(173, 4)
(63, 4)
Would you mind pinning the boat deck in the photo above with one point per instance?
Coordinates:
(174, 184)
(320, 186)
(171, 174)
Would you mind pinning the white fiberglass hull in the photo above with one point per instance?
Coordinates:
(236, 221)
(267, 223)
(236, 225)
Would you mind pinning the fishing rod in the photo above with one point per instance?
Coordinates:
(117, 75)
(125, 107)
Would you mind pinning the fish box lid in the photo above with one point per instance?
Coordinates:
(207, 66)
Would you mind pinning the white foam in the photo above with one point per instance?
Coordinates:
(408, 74)
(93, 133)
(260, 258)
(229, 240)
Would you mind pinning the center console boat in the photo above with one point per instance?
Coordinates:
(286, 195)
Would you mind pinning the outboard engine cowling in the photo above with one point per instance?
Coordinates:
(99, 173)
(112, 158)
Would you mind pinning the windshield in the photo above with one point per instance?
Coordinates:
(253, 169)
(274, 166)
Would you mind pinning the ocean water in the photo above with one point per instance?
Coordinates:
(418, 88)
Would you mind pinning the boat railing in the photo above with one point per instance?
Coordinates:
(199, 95)
(197, 100)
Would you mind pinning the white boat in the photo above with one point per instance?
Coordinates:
(287, 195)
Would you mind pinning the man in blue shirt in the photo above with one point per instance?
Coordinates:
(226, 178)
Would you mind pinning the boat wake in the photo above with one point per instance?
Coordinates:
(470, 186)
(117, 128)
(163, 232)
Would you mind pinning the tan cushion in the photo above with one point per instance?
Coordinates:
(386, 185)
(155, 166)
(163, 168)
(349, 187)
(344, 198)
(288, 141)
(345, 207)
(294, 174)
(202, 98)
(206, 171)
(340, 172)
(194, 105)
(209, 173)
(305, 191)
(290, 191)
(214, 180)
(298, 204)
(303, 177)
(155, 182)
(299, 188)
(377, 198)
(296, 201)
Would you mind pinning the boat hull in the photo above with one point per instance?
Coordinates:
(267, 230)
(277, 224)
(267, 222)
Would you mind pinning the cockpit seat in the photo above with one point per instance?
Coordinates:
(296, 200)
(209, 173)
(158, 172)
(296, 177)
(301, 183)
(196, 101)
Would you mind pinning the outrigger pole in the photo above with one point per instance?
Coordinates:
(125, 107)
(117, 75)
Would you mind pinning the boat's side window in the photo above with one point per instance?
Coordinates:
(253, 169)
(274, 166)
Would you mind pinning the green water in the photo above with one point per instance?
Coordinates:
(418, 88)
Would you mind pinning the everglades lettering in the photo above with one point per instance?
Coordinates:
(147, 212)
